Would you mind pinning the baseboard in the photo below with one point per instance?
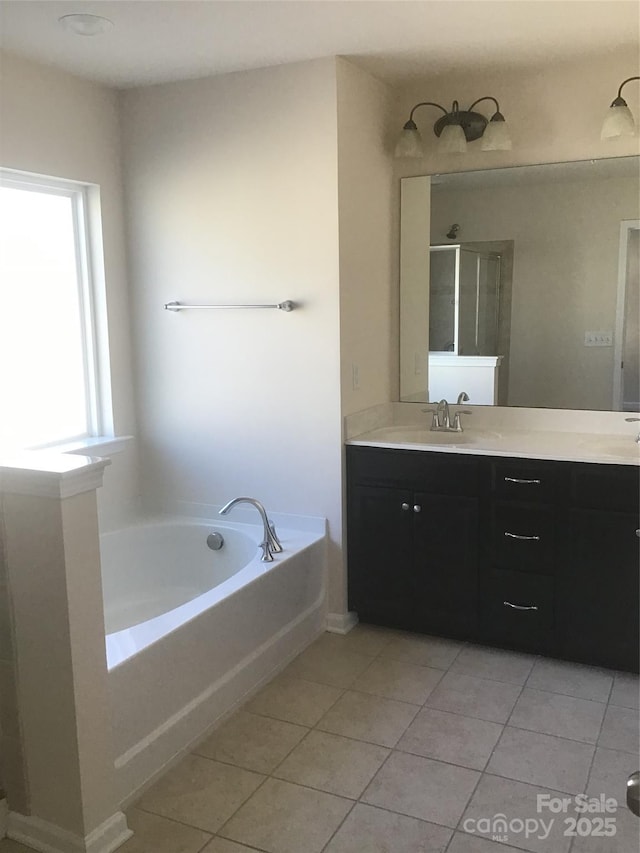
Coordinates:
(49, 838)
(341, 623)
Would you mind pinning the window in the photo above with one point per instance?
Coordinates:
(49, 373)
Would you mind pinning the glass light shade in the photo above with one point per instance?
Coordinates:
(618, 122)
(452, 140)
(496, 136)
(409, 144)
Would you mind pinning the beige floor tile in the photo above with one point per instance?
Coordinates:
(294, 700)
(609, 774)
(222, 845)
(451, 737)
(462, 843)
(474, 697)
(422, 788)
(372, 830)
(365, 639)
(394, 679)
(369, 718)
(157, 834)
(572, 679)
(423, 650)
(626, 690)
(200, 792)
(253, 742)
(496, 664)
(286, 818)
(332, 763)
(516, 802)
(540, 759)
(328, 661)
(554, 714)
(620, 730)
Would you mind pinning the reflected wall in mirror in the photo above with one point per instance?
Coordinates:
(536, 275)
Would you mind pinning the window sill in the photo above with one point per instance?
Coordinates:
(99, 445)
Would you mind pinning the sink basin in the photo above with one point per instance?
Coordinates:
(413, 434)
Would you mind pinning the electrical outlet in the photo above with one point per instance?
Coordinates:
(598, 339)
(355, 377)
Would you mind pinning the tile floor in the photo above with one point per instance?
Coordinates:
(384, 742)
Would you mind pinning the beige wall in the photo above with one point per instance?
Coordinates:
(555, 113)
(565, 239)
(365, 216)
(232, 197)
(58, 125)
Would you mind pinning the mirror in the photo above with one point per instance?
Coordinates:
(520, 286)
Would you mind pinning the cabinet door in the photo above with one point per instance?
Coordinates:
(599, 589)
(382, 583)
(446, 564)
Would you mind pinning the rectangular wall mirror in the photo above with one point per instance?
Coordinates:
(520, 286)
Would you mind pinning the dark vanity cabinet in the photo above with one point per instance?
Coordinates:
(599, 590)
(527, 554)
(413, 539)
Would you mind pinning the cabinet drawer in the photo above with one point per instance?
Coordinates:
(524, 538)
(608, 487)
(519, 610)
(529, 481)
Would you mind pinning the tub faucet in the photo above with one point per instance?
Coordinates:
(270, 543)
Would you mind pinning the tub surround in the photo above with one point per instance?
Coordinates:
(61, 787)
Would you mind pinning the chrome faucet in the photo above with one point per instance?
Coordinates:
(270, 543)
(441, 421)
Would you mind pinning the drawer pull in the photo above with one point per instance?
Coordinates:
(638, 533)
(520, 606)
(517, 536)
(405, 507)
(527, 482)
(417, 508)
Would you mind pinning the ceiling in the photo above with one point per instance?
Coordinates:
(155, 41)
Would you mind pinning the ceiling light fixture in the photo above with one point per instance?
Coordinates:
(455, 128)
(86, 25)
(619, 119)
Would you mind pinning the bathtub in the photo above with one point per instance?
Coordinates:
(191, 632)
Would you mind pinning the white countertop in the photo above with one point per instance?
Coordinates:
(611, 449)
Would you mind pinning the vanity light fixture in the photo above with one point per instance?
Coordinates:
(455, 128)
(86, 25)
(619, 119)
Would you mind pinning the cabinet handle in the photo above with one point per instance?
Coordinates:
(638, 533)
(417, 508)
(517, 480)
(517, 536)
(405, 507)
(520, 606)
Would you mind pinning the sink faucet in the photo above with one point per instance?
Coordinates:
(631, 421)
(441, 421)
(270, 543)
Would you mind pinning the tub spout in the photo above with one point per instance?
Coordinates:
(270, 541)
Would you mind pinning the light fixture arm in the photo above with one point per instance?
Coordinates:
(425, 104)
(619, 101)
(485, 98)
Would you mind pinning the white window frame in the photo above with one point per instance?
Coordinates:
(87, 227)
